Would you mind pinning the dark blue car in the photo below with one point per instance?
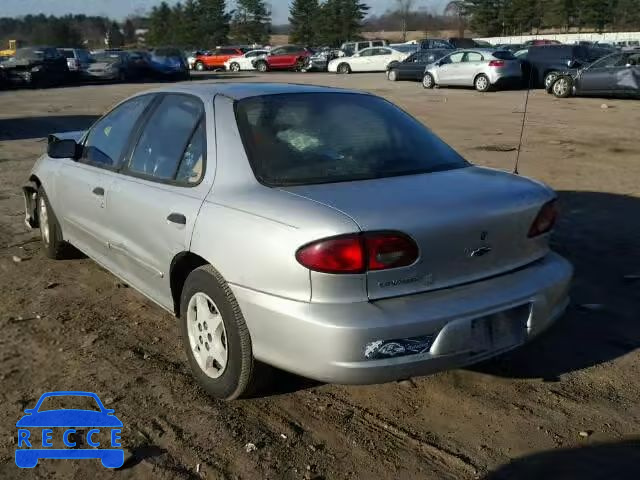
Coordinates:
(168, 63)
(111, 456)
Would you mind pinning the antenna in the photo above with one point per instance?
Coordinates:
(524, 119)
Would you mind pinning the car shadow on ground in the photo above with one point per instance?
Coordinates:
(600, 235)
(142, 453)
(25, 128)
(607, 461)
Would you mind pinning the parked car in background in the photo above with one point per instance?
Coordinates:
(216, 59)
(405, 47)
(113, 65)
(459, 42)
(413, 67)
(36, 67)
(616, 75)
(351, 48)
(542, 63)
(78, 61)
(376, 59)
(435, 43)
(483, 69)
(286, 57)
(512, 47)
(319, 61)
(331, 235)
(530, 43)
(168, 63)
(245, 61)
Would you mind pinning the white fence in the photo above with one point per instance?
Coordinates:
(569, 37)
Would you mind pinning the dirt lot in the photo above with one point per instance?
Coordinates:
(566, 406)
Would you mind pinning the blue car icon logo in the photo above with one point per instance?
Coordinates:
(36, 433)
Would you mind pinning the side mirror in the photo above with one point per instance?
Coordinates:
(66, 148)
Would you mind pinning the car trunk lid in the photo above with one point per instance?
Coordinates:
(469, 223)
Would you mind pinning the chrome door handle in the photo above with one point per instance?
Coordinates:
(98, 191)
(177, 218)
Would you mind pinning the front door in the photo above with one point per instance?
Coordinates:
(597, 79)
(84, 187)
(448, 73)
(157, 195)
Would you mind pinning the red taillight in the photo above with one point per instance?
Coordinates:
(496, 63)
(545, 220)
(358, 253)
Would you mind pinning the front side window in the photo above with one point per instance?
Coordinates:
(607, 62)
(310, 138)
(108, 138)
(363, 45)
(166, 137)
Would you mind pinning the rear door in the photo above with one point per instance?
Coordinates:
(158, 193)
(380, 58)
(85, 189)
(472, 64)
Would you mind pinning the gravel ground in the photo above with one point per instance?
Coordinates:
(565, 406)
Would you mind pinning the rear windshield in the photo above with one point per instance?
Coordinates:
(504, 55)
(311, 138)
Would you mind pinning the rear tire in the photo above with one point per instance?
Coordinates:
(482, 83)
(200, 67)
(50, 233)
(549, 78)
(392, 75)
(206, 296)
(344, 69)
(428, 81)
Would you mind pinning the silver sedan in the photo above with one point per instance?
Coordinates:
(321, 231)
(483, 69)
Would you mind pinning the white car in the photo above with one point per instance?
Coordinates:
(375, 59)
(245, 62)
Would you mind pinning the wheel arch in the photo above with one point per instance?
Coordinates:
(30, 192)
(181, 266)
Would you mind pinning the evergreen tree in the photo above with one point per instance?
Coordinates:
(340, 21)
(303, 18)
(251, 22)
(213, 23)
(160, 25)
(189, 34)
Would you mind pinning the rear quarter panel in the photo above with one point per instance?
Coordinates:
(249, 232)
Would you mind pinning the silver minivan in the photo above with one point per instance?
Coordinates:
(351, 48)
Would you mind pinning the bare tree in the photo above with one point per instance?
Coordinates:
(455, 8)
(404, 10)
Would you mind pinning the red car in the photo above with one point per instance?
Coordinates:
(287, 57)
(216, 59)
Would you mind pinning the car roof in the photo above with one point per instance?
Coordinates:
(238, 91)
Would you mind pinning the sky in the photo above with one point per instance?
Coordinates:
(121, 8)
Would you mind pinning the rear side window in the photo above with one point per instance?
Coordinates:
(362, 45)
(108, 138)
(377, 43)
(311, 138)
(67, 53)
(503, 55)
(166, 138)
(228, 51)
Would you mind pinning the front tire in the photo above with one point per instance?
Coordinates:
(215, 336)
(234, 67)
(562, 87)
(392, 75)
(50, 232)
(482, 83)
(262, 67)
(344, 69)
(428, 81)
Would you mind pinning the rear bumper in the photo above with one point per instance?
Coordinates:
(327, 342)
